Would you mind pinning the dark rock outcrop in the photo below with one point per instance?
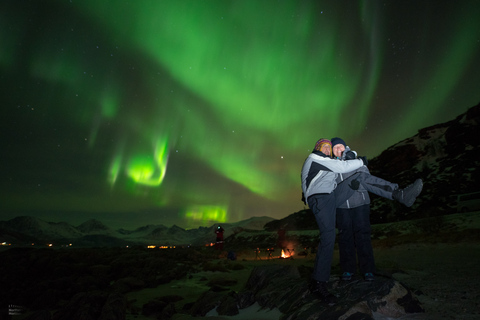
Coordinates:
(284, 288)
(114, 308)
(445, 156)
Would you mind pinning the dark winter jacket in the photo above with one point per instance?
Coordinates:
(361, 196)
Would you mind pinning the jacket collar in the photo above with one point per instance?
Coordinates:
(319, 153)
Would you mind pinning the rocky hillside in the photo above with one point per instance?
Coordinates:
(445, 156)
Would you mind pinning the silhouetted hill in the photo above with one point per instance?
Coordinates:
(445, 156)
(301, 220)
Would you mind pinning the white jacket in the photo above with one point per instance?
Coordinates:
(319, 172)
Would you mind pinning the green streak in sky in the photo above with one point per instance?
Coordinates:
(249, 63)
(207, 214)
(252, 65)
(230, 160)
(114, 170)
(372, 57)
(150, 170)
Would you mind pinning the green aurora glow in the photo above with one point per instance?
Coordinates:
(201, 111)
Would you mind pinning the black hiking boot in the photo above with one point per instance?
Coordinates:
(320, 290)
(408, 195)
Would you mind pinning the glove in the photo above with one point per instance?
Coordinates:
(364, 159)
(350, 155)
(355, 184)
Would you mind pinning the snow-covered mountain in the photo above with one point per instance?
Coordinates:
(93, 226)
(25, 229)
(159, 234)
(36, 228)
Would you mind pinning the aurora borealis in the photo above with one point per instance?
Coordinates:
(202, 111)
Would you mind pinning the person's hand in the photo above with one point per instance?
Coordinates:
(355, 184)
(364, 159)
(350, 155)
(303, 198)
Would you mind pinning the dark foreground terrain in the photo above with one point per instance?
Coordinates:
(436, 268)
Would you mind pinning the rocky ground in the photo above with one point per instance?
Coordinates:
(444, 277)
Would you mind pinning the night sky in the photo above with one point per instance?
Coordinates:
(203, 111)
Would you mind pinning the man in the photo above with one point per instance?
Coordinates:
(353, 223)
(323, 196)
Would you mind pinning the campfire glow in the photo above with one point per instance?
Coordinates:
(286, 255)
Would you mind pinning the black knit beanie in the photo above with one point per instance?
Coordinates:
(338, 141)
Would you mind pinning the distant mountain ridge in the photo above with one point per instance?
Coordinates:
(25, 230)
(37, 228)
(92, 226)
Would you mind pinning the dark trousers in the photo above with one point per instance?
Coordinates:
(354, 239)
(324, 208)
(372, 184)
